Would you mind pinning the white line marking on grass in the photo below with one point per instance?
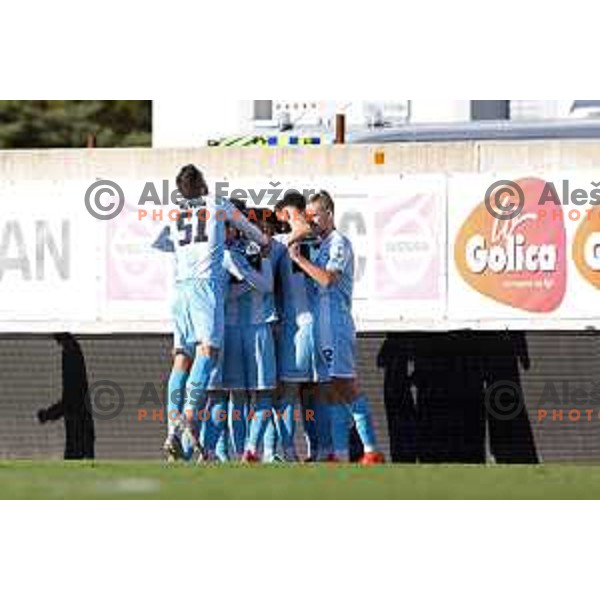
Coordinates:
(129, 486)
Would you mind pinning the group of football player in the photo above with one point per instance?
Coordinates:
(264, 334)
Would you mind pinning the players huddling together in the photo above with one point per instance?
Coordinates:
(264, 334)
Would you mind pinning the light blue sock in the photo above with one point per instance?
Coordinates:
(195, 398)
(222, 450)
(175, 398)
(270, 442)
(258, 423)
(202, 432)
(199, 431)
(215, 425)
(187, 446)
(286, 425)
(323, 427)
(361, 413)
(197, 383)
(340, 430)
(309, 420)
(238, 419)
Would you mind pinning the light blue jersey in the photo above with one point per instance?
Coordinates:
(336, 255)
(248, 361)
(298, 358)
(198, 238)
(293, 285)
(251, 299)
(336, 334)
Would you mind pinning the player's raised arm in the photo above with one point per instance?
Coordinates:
(326, 277)
(238, 266)
(241, 223)
(299, 226)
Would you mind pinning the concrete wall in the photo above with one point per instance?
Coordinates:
(428, 393)
(467, 157)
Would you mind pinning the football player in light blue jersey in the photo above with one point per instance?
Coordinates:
(332, 272)
(248, 367)
(197, 239)
(259, 358)
(299, 360)
(246, 283)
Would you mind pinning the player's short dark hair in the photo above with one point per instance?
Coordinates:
(191, 183)
(293, 199)
(239, 205)
(325, 201)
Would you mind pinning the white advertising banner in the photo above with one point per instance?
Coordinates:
(67, 264)
(136, 279)
(49, 256)
(540, 267)
(432, 252)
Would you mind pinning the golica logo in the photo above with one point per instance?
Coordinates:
(586, 248)
(518, 261)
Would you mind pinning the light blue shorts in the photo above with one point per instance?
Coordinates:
(198, 315)
(336, 341)
(298, 358)
(247, 361)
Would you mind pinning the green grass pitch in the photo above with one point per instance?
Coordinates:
(150, 480)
